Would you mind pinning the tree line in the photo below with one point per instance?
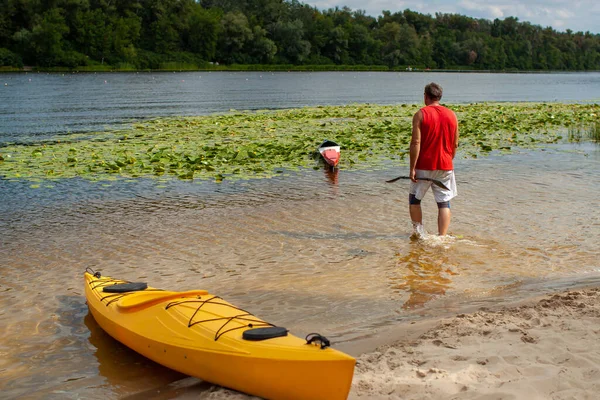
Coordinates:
(159, 34)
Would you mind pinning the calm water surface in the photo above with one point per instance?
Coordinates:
(310, 251)
(37, 106)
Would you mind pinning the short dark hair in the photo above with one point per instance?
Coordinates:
(433, 91)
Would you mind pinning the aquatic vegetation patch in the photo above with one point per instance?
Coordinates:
(242, 145)
(588, 133)
(487, 127)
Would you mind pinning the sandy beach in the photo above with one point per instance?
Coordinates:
(543, 348)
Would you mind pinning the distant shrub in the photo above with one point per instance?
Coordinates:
(317, 59)
(124, 66)
(10, 59)
(96, 68)
(148, 60)
(73, 59)
(177, 66)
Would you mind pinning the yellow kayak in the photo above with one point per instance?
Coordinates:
(202, 335)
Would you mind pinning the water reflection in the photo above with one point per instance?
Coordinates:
(123, 367)
(332, 174)
(424, 272)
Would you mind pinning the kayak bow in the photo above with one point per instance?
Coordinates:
(330, 151)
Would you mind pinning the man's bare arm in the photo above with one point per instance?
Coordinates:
(454, 149)
(415, 143)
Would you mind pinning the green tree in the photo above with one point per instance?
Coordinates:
(148, 33)
(400, 44)
(126, 32)
(336, 46)
(159, 27)
(288, 37)
(235, 34)
(423, 24)
(203, 33)
(46, 38)
(362, 47)
(9, 59)
(260, 48)
(93, 34)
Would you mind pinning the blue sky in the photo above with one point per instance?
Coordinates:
(577, 15)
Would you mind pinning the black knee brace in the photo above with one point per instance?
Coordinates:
(413, 201)
(443, 204)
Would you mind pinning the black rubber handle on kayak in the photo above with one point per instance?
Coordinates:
(315, 337)
(96, 274)
(434, 181)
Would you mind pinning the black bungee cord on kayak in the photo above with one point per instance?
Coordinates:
(253, 322)
(117, 288)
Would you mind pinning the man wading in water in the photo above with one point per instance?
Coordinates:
(432, 149)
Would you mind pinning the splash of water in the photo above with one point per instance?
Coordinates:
(431, 240)
(419, 231)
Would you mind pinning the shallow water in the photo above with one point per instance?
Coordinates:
(310, 251)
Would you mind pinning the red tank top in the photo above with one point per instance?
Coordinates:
(438, 133)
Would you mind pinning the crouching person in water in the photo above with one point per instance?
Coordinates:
(432, 150)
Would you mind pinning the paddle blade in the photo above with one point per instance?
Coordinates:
(435, 182)
(440, 184)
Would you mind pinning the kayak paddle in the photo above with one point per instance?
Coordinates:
(434, 181)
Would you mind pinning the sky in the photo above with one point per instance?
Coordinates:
(577, 15)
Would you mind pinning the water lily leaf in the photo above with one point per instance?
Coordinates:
(187, 175)
(241, 155)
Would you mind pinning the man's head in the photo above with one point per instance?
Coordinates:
(433, 92)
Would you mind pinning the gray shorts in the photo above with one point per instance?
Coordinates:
(440, 195)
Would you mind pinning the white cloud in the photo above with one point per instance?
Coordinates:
(565, 14)
(488, 11)
(577, 15)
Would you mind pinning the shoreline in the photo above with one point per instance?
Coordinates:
(536, 348)
(410, 330)
(288, 68)
(543, 347)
